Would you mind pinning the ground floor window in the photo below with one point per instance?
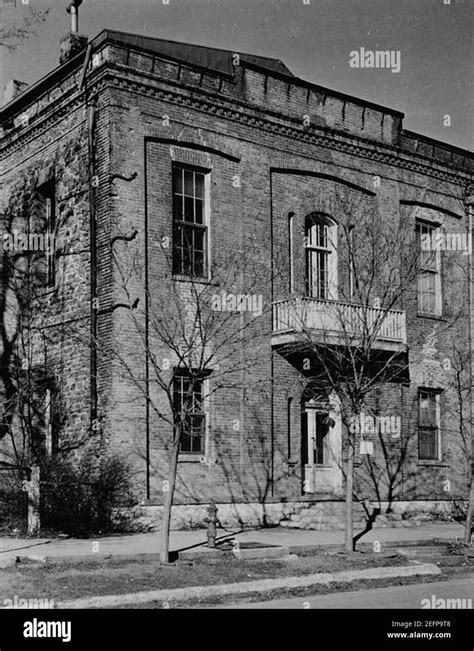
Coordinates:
(428, 425)
(188, 399)
(315, 426)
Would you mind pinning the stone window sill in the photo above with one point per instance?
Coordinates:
(434, 317)
(192, 279)
(190, 457)
(433, 462)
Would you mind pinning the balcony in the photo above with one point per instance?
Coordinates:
(336, 323)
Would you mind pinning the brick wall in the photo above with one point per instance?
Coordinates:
(264, 163)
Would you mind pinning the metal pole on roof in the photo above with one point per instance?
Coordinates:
(73, 9)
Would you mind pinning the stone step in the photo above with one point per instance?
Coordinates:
(322, 516)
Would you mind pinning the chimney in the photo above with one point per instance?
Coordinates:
(12, 89)
(70, 45)
(73, 42)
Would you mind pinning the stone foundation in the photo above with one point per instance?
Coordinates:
(322, 515)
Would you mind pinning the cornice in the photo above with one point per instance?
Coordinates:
(236, 110)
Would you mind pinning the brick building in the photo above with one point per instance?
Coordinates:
(168, 171)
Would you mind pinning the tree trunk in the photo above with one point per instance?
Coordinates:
(349, 491)
(169, 494)
(468, 525)
(34, 501)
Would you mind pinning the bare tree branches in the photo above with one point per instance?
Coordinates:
(15, 27)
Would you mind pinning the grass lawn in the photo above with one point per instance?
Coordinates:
(61, 582)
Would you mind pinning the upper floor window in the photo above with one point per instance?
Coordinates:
(50, 230)
(51, 421)
(190, 256)
(188, 400)
(43, 234)
(321, 260)
(428, 425)
(429, 269)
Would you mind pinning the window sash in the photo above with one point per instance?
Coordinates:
(429, 272)
(317, 273)
(194, 418)
(428, 426)
(50, 228)
(428, 443)
(322, 429)
(189, 222)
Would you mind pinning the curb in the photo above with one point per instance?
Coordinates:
(248, 587)
(274, 552)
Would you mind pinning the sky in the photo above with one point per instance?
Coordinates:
(314, 38)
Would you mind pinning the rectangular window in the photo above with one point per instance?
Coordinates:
(51, 422)
(322, 429)
(50, 233)
(189, 222)
(42, 230)
(429, 270)
(188, 399)
(428, 425)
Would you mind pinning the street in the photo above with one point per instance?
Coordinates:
(403, 596)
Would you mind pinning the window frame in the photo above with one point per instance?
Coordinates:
(46, 192)
(204, 227)
(204, 413)
(434, 395)
(50, 198)
(433, 229)
(329, 250)
(51, 421)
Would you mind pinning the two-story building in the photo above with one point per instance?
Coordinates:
(311, 219)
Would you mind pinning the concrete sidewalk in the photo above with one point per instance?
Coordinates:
(191, 544)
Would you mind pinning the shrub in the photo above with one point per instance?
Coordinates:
(13, 503)
(78, 498)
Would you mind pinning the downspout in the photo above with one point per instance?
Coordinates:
(91, 121)
(147, 332)
(470, 276)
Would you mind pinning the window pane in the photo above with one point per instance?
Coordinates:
(178, 180)
(428, 444)
(185, 442)
(199, 181)
(178, 207)
(198, 211)
(189, 183)
(321, 433)
(189, 209)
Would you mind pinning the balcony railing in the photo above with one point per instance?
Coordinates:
(334, 320)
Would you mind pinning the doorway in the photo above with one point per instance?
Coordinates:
(321, 447)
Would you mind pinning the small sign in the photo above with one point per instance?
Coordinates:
(366, 447)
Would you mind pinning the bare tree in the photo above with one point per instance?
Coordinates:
(15, 27)
(357, 343)
(199, 338)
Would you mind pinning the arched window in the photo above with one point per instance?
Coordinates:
(321, 257)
